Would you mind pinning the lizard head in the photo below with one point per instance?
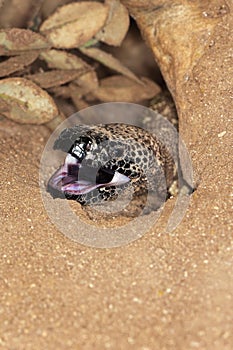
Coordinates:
(101, 161)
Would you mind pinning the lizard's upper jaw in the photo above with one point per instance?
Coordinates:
(75, 178)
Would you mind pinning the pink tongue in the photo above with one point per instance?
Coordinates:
(68, 179)
(80, 187)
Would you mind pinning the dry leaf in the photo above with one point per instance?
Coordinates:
(74, 24)
(60, 91)
(80, 104)
(77, 97)
(87, 82)
(54, 77)
(25, 102)
(59, 59)
(53, 124)
(117, 24)
(109, 61)
(17, 63)
(121, 89)
(14, 41)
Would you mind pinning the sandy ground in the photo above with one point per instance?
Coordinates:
(163, 291)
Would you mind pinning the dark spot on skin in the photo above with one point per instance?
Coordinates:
(105, 158)
(133, 175)
(119, 152)
(112, 144)
(121, 163)
(127, 172)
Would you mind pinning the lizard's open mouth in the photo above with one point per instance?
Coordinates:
(74, 178)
